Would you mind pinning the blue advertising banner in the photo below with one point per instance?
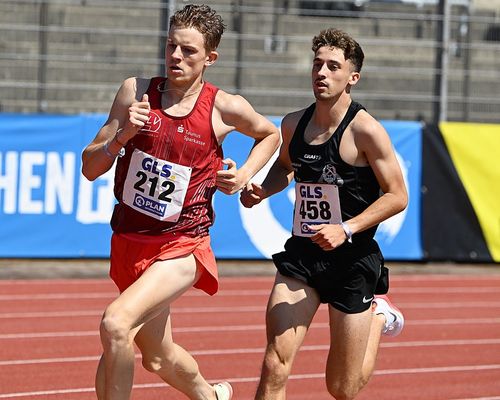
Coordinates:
(48, 209)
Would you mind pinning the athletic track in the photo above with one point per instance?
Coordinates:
(449, 350)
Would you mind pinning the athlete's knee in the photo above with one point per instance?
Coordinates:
(114, 329)
(277, 364)
(345, 388)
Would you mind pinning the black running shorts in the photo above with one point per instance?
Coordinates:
(347, 277)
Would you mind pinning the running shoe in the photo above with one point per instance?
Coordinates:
(223, 391)
(394, 320)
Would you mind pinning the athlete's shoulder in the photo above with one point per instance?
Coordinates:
(368, 132)
(365, 124)
(291, 120)
(233, 107)
(228, 100)
(134, 87)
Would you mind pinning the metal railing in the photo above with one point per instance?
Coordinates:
(431, 62)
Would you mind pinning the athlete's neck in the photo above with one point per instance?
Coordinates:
(175, 93)
(329, 113)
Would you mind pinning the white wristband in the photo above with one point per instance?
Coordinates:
(110, 155)
(107, 152)
(347, 231)
(118, 131)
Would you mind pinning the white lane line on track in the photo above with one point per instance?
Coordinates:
(260, 350)
(237, 309)
(241, 293)
(493, 276)
(57, 296)
(480, 398)
(395, 277)
(51, 314)
(463, 368)
(175, 310)
(105, 281)
(448, 290)
(241, 309)
(238, 328)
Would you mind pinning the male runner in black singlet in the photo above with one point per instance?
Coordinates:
(347, 181)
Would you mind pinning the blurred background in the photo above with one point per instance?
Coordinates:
(425, 59)
(431, 75)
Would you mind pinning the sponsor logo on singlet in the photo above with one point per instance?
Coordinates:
(191, 137)
(312, 157)
(153, 125)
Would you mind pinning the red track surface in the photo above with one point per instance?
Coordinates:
(449, 349)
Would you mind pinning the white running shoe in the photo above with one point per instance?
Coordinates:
(394, 319)
(223, 391)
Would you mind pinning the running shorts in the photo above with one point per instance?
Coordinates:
(132, 254)
(347, 277)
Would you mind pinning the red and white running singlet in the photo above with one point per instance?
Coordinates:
(166, 180)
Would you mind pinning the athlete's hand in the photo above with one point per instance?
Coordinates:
(138, 116)
(328, 236)
(251, 195)
(228, 180)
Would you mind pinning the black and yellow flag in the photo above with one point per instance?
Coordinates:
(461, 192)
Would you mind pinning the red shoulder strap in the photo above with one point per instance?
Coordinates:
(153, 92)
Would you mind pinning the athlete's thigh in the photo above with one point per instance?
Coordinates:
(349, 335)
(290, 310)
(158, 286)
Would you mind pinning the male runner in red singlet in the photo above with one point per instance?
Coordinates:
(342, 160)
(167, 133)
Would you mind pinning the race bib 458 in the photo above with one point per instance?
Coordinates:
(315, 203)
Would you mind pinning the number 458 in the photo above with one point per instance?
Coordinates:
(312, 209)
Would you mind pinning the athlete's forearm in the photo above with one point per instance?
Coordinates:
(383, 208)
(99, 156)
(260, 154)
(278, 178)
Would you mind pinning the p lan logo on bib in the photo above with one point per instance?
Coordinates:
(149, 205)
(305, 227)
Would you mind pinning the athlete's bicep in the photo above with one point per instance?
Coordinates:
(237, 113)
(288, 125)
(379, 152)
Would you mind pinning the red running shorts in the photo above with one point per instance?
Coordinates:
(132, 254)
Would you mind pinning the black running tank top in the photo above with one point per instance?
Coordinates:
(358, 186)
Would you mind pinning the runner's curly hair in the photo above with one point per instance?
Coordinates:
(336, 38)
(202, 18)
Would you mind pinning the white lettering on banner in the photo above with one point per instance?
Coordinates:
(85, 213)
(60, 183)
(8, 181)
(28, 181)
(34, 182)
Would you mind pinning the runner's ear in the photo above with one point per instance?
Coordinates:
(211, 58)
